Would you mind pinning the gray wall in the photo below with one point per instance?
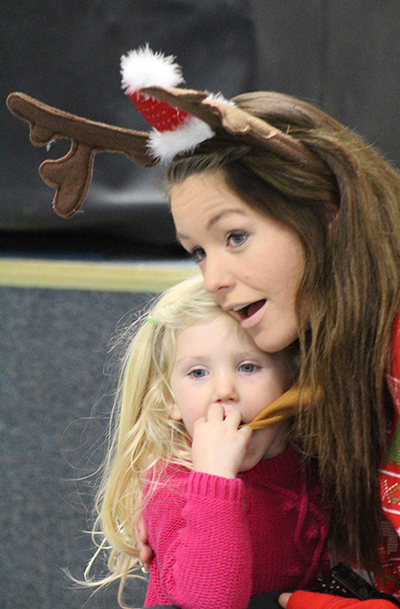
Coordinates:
(55, 395)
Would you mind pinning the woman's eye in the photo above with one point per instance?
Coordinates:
(198, 373)
(248, 368)
(236, 237)
(198, 254)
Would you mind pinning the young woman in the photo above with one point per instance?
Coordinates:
(311, 254)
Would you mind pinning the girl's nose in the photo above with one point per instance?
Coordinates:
(216, 274)
(225, 389)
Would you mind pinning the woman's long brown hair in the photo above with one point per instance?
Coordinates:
(348, 218)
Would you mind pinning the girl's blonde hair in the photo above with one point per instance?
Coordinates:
(142, 433)
(347, 215)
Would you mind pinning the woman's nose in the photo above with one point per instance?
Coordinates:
(216, 274)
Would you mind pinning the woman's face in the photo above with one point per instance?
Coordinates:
(252, 263)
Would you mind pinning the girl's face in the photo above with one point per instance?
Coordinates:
(218, 363)
(252, 263)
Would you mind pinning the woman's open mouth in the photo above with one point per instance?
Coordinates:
(250, 309)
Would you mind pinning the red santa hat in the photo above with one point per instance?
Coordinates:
(174, 130)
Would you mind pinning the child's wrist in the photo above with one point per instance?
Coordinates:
(215, 471)
(211, 487)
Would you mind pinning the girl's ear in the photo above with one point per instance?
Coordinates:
(175, 413)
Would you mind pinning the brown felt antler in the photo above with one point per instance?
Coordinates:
(230, 122)
(70, 175)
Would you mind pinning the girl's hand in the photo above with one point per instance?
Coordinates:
(145, 552)
(219, 447)
(315, 600)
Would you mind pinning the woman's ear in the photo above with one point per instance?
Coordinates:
(333, 219)
(175, 413)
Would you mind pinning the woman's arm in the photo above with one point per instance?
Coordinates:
(142, 540)
(314, 600)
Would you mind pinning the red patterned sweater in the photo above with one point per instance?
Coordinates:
(216, 541)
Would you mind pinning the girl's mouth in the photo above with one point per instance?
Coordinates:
(250, 309)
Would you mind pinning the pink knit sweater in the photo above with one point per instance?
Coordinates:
(216, 541)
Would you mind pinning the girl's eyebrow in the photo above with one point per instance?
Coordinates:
(214, 220)
(200, 358)
(189, 358)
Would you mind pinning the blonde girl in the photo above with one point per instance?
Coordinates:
(229, 512)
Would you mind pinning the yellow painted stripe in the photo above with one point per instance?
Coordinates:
(83, 275)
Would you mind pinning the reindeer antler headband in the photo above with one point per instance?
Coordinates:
(182, 118)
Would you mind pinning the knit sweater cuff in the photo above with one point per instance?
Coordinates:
(215, 487)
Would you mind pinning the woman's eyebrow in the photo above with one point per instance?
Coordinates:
(222, 214)
(213, 221)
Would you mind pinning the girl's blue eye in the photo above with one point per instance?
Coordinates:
(248, 368)
(198, 254)
(237, 237)
(199, 373)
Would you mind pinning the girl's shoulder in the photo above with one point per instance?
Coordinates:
(166, 477)
(169, 469)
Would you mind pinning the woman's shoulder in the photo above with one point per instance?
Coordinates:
(395, 351)
(393, 373)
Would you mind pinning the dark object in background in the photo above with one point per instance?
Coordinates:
(343, 581)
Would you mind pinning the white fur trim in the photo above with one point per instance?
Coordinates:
(166, 144)
(218, 97)
(144, 68)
